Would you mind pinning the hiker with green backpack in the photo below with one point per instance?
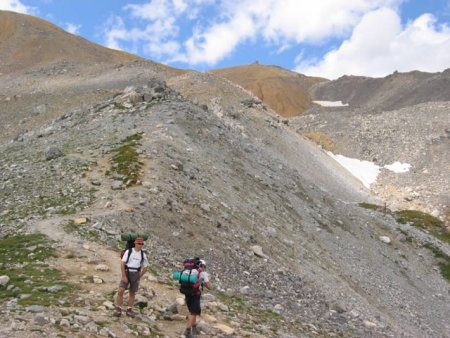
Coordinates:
(133, 266)
(192, 279)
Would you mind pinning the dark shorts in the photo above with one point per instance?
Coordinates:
(193, 304)
(133, 281)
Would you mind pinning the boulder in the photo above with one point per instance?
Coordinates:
(257, 250)
(224, 329)
(4, 280)
(53, 153)
(385, 239)
(102, 267)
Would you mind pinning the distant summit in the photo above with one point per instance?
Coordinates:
(27, 41)
(284, 91)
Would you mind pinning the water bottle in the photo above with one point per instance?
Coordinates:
(184, 277)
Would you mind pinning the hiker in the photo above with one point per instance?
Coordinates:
(193, 301)
(133, 266)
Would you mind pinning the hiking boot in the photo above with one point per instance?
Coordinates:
(117, 312)
(130, 312)
(188, 333)
(195, 331)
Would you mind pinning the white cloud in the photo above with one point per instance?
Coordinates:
(217, 42)
(115, 32)
(154, 34)
(207, 31)
(15, 6)
(155, 9)
(221, 26)
(380, 45)
(278, 22)
(72, 28)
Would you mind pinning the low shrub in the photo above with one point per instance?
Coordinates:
(321, 139)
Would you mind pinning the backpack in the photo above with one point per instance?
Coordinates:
(190, 268)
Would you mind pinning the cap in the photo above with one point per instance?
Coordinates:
(201, 262)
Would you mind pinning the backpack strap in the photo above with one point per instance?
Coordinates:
(128, 257)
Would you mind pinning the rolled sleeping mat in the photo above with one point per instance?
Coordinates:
(133, 236)
(184, 277)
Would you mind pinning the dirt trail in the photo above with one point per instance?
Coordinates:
(78, 259)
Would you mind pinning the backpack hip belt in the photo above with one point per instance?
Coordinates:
(131, 269)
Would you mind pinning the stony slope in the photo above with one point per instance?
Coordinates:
(418, 135)
(374, 127)
(223, 181)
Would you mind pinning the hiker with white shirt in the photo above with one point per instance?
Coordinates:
(133, 266)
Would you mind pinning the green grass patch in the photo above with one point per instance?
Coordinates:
(443, 261)
(416, 218)
(371, 206)
(23, 259)
(125, 161)
(424, 221)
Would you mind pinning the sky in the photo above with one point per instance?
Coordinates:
(327, 38)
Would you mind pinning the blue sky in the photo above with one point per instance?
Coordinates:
(326, 38)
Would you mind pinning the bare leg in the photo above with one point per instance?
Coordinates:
(120, 297)
(191, 320)
(131, 297)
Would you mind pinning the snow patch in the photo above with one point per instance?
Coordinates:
(331, 103)
(366, 171)
(398, 167)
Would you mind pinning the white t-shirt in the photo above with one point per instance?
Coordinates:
(135, 259)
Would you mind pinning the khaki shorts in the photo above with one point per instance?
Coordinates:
(133, 281)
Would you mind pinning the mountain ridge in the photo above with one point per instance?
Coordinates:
(394, 91)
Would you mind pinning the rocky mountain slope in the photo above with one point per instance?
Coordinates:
(205, 168)
(284, 91)
(417, 135)
(402, 117)
(392, 92)
(29, 42)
